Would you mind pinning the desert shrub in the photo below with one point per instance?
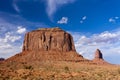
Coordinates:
(8, 65)
(28, 67)
(24, 77)
(66, 68)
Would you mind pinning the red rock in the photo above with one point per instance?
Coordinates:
(51, 44)
(47, 44)
(48, 39)
(99, 58)
(98, 54)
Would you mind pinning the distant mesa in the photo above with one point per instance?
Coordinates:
(2, 59)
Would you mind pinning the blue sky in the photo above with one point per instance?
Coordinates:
(93, 24)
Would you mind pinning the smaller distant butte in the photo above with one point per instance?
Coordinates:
(98, 59)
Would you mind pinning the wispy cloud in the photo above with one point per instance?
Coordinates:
(83, 19)
(107, 42)
(63, 20)
(16, 7)
(53, 5)
(113, 19)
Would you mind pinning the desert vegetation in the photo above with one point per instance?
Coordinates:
(60, 71)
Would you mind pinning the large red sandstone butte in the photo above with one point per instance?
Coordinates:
(48, 39)
(51, 44)
(47, 44)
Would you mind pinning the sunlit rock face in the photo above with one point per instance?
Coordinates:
(48, 39)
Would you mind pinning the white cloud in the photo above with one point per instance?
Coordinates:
(83, 19)
(113, 19)
(53, 5)
(81, 22)
(7, 50)
(107, 42)
(11, 37)
(21, 30)
(8, 44)
(10, 40)
(116, 17)
(63, 20)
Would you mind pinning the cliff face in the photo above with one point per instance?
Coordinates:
(48, 39)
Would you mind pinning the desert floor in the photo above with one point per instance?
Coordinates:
(59, 70)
